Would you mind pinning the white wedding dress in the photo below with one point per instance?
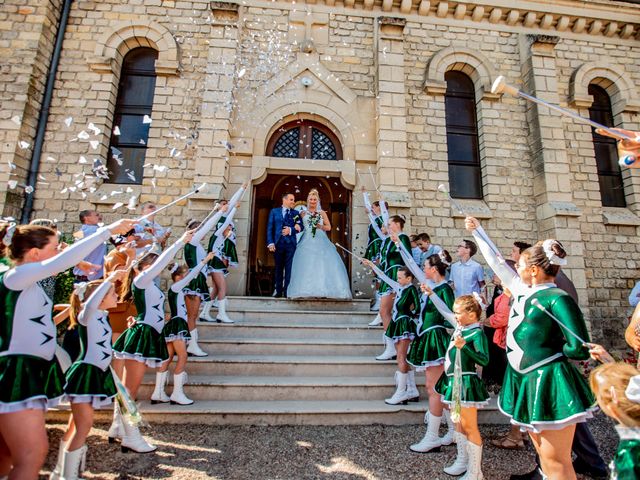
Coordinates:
(317, 271)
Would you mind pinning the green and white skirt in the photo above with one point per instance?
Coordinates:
(176, 329)
(385, 289)
(401, 329)
(473, 392)
(87, 383)
(373, 250)
(142, 343)
(28, 382)
(551, 397)
(429, 349)
(198, 287)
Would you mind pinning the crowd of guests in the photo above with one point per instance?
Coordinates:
(116, 327)
(520, 342)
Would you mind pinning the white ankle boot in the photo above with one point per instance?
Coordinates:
(193, 348)
(73, 463)
(462, 460)
(389, 350)
(412, 388)
(474, 470)
(133, 441)
(431, 441)
(222, 316)
(376, 321)
(159, 395)
(376, 305)
(214, 302)
(57, 471)
(449, 437)
(205, 314)
(400, 396)
(178, 396)
(116, 430)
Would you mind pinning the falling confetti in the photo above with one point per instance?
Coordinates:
(94, 129)
(242, 72)
(94, 144)
(83, 159)
(24, 145)
(83, 135)
(146, 120)
(160, 168)
(133, 202)
(12, 184)
(68, 121)
(28, 189)
(16, 119)
(117, 206)
(116, 131)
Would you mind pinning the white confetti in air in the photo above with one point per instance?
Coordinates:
(142, 142)
(153, 182)
(41, 177)
(173, 152)
(12, 184)
(129, 190)
(147, 119)
(116, 131)
(116, 192)
(160, 168)
(117, 206)
(28, 189)
(64, 190)
(51, 159)
(16, 119)
(94, 144)
(242, 72)
(132, 176)
(104, 197)
(68, 121)
(133, 203)
(83, 135)
(94, 129)
(24, 145)
(83, 159)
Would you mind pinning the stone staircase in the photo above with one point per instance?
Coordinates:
(287, 362)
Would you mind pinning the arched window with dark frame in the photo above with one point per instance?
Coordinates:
(606, 152)
(304, 139)
(465, 176)
(130, 133)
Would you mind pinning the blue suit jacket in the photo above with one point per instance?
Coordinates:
(277, 221)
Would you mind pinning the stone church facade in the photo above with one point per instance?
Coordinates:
(289, 95)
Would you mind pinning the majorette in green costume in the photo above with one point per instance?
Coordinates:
(432, 339)
(626, 462)
(406, 307)
(30, 376)
(391, 261)
(374, 232)
(177, 328)
(89, 379)
(541, 389)
(144, 341)
(224, 248)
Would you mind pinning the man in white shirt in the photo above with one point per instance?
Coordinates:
(467, 275)
(149, 230)
(426, 248)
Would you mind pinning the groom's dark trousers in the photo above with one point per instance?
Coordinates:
(285, 245)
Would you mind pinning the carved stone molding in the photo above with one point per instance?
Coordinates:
(613, 78)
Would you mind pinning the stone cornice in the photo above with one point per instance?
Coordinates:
(608, 19)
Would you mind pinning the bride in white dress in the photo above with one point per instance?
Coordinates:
(318, 270)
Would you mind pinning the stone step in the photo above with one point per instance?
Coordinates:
(291, 346)
(269, 303)
(322, 317)
(284, 330)
(244, 388)
(293, 412)
(290, 365)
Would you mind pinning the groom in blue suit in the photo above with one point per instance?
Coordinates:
(284, 223)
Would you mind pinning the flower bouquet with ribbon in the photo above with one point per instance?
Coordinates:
(314, 220)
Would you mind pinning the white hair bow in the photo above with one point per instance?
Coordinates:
(478, 298)
(8, 235)
(80, 290)
(548, 250)
(632, 392)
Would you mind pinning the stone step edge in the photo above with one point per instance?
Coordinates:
(292, 359)
(279, 381)
(254, 324)
(291, 341)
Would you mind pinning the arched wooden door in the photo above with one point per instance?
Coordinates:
(335, 200)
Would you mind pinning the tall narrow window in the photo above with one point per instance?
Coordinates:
(609, 174)
(465, 179)
(130, 129)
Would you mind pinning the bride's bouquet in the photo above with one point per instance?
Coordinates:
(314, 221)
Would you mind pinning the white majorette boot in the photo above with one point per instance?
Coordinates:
(214, 302)
(116, 430)
(412, 388)
(222, 316)
(474, 469)
(462, 460)
(178, 396)
(159, 395)
(55, 475)
(193, 348)
(376, 305)
(400, 396)
(449, 437)
(133, 441)
(376, 321)
(389, 350)
(430, 442)
(205, 314)
(73, 463)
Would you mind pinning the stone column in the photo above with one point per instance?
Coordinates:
(391, 126)
(212, 165)
(558, 216)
